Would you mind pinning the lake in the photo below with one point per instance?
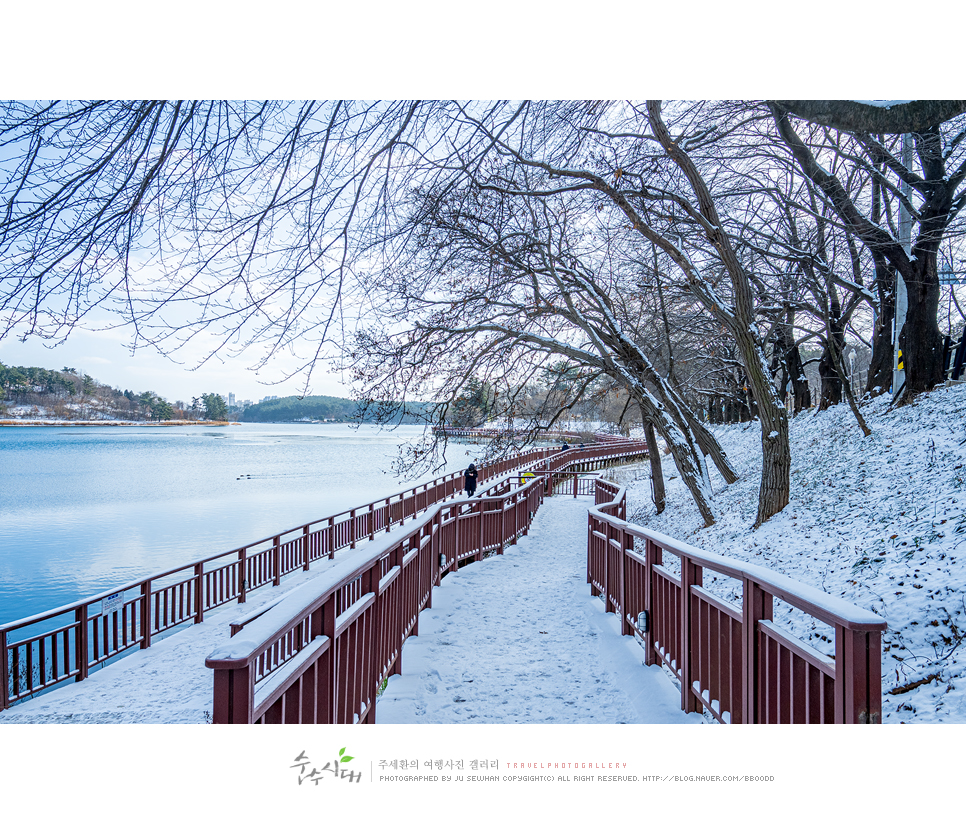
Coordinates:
(86, 509)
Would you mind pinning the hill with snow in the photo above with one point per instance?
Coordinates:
(879, 521)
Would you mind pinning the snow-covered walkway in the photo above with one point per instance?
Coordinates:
(513, 639)
(519, 639)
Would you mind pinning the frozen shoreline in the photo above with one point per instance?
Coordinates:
(46, 422)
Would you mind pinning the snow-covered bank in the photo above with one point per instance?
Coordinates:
(879, 521)
(48, 422)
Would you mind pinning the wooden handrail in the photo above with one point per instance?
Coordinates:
(179, 596)
(733, 661)
(396, 577)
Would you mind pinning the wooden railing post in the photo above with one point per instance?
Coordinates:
(352, 521)
(653, 556)
(199, 585)
(4, 674)
(429, 561)
(328, 630)
(457, 550)
(756, 605)
(690, 575)
(277, 561)
(625, 538)
(80, 643)
(146, 625)
(605, 576)
(396, 560)
(242, 574)
(523, 502)
(482, 515)
(372, 521)
(331, 537)
(305, 547)
(858, 681)
(232, 700)
(371, 648)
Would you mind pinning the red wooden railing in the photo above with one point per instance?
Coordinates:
(321, 653)
(490, 433)
(66, 643)
(734, 661)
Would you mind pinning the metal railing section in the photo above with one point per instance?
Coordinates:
(732, 660)
(46, 649)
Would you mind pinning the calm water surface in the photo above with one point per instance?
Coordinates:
(83, 510)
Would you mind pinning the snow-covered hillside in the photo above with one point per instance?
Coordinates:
(880, 521)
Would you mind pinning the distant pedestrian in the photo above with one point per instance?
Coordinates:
(469, 479)
(565, 446)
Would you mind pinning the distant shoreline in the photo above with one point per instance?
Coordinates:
(14, 422)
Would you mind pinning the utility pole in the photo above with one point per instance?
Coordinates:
(905, 239)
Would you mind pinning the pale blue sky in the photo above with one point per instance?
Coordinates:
(104, 356)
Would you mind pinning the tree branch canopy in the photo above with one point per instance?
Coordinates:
(861, 117)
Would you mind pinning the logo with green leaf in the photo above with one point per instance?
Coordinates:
(343, 758)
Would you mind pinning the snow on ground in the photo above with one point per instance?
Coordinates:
(879, 521)
(512, 639)
(518, 638)
(166, 683)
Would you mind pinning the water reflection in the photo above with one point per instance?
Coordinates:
(84, 510)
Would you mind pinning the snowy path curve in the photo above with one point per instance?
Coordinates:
(519, 639)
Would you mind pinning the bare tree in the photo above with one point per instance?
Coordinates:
(939, 187)
(277, 223)
(503, 284)
(876, 117)
(234, 219)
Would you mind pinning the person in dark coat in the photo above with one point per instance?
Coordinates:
(469, 480)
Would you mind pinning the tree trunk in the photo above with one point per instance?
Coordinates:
(775, 470)
(847, 386)
(778, 365)
(921, 341)
(709, 445)
(787, 355)
(776, 462)
(831, 384)
(740, 320)
(801, 395)
(834, 340)
(657, 472)
(880, 365)
(689, 463)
